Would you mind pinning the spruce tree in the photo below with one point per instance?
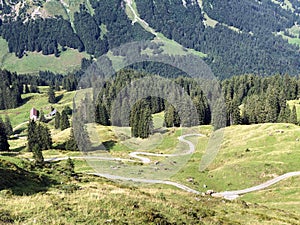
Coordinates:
(42, 116)
(4, 146)
(71, 144)
(8, 126)
(40, 135)
(51, 95)
(64, 121)
(31, 137)
(141, 120)
(69, 166)
(293, 115)
(26, 89)
(169, 116)
(38, 154)
(57, 87)
(101, 115)
(34, 88)
(57, 120)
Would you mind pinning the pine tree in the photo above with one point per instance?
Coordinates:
(37, 155)
(64, 121)
(42, 116)
(26, 89)
(293, 115)
(8, 126)
(51, 95)
(71, 144)
(34, 88)
(101, 115)
(272, 106)
(40, 135)
(31, 137)
(70, 166)
(141, 120)
(169, 116)
(4, 146)
(57, 120)
(57, 87)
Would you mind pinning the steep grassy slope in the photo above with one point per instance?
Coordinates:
(100, 201)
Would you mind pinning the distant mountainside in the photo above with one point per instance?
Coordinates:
(237, 37)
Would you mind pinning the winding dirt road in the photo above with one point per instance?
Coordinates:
(230, 195)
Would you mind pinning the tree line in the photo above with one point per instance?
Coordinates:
(139, 116)
(254, 99)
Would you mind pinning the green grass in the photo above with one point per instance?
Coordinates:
(100, 201)
(248, 156)
(56, 8)
(34, 62)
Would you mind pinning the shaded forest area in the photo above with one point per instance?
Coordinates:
(253, 50)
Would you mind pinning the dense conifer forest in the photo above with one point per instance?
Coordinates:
(255, 49)
(241, 42)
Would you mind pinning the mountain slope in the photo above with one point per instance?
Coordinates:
(237, 37)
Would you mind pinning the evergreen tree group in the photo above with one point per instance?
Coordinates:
(4, 146)
(51, 95)
(141, 122)
(10, 90)
(38, 134)
(253, 99)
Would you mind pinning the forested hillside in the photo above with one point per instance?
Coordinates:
(238, 37)
(249, 48)
(109, 27)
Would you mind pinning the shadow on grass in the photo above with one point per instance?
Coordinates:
(22, 182)
(18, 149)
(20, 130)
(109, 144)
(58, 98)
(9, 154)
(25, 100)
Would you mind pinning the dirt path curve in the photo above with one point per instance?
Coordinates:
(234, 194)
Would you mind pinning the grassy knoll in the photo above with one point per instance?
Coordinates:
(68, 61)
(249, 155)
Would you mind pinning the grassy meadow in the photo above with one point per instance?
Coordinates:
(34, 62)
(248, 156)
